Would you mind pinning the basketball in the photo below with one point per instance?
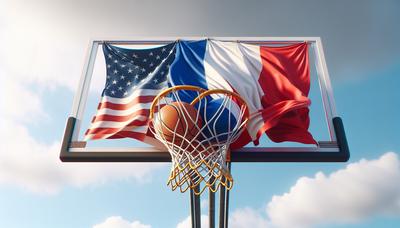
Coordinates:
(221, 118)
(178, 120)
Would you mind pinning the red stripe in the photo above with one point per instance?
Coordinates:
(122, 134)
(242, 141)
(110, 130)
(285, 80)
(135, 101)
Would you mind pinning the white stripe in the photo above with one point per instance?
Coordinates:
(114, 124)
(255, 123)
(237, 64)
(125, 112)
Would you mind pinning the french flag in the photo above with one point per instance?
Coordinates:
(273, 80)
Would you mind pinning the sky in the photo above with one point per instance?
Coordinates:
(42, 54)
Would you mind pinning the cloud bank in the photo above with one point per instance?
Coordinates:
(35, 166)
(361, 190)
(119, 222)
(187, 223)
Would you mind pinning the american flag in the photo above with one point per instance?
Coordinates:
(134, 78)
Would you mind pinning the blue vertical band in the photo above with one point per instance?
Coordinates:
(188, 67)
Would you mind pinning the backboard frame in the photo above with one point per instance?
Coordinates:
(335, 150)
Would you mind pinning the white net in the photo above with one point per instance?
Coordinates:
(197, 127)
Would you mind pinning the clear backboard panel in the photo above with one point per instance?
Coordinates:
(325, 125)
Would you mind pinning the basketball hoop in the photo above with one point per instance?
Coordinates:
(198, 134)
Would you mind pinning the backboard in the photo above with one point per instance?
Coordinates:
(325, 124)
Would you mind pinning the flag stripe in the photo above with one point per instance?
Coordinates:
(114, 124)
(122, 134)
(125, 118)
(125, 106)
(110, 130)
(241, 77)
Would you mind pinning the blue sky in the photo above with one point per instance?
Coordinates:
(44, 45)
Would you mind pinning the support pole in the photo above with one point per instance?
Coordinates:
(211, 209)
(192, 208)
(227, 199)
(222, 207)
(224, 204)
(195, 208)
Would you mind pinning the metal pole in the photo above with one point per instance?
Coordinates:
(211, 208)
(195, 208)
(226, 216)
(222, 206)
(192, 208)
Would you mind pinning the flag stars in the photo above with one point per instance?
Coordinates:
(129, 70)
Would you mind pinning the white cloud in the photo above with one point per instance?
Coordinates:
(22, 104)
(119, 222)
(35, 166)
(38, 49)
(187, 223)
(248, 217)
(360, 191)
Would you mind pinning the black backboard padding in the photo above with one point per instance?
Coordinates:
(236, 156)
